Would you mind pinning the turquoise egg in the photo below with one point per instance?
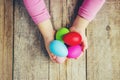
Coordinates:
(60, 33)
(58, 48)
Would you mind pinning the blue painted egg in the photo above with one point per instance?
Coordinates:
(58, 48)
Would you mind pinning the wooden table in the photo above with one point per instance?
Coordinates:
(22, 52)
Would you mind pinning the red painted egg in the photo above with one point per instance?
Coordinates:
(72, 38)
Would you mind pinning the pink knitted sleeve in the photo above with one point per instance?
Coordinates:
(37, 10)
(89, 8)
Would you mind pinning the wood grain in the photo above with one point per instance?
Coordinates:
(30, 59)
(103, 61)
(76, 69)
(6, 39)
(56, 17)
(62, 12)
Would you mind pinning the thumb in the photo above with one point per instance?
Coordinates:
(84, 44)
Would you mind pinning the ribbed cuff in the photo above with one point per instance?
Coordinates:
(41, 17)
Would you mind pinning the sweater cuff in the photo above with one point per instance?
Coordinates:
(41, 17)
(85, 14)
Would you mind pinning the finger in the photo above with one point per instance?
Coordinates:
(54, 57)
(60, 59)
(84, 44)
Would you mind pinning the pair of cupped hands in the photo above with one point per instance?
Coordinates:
(78, 26)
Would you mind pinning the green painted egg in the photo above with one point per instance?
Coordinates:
(60, 33)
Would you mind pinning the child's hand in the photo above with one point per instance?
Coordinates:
(79, 26)
(52, 56)
(48, 34)
(84, 38)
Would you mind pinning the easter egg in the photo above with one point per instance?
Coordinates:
(58, 48)
(72, 38)
(60, 59)
(60, 33)
(74, 51)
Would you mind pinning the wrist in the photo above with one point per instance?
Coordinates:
(49, 37)
(46, 30)
(80, 23)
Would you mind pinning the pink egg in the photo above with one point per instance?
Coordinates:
(60, 59)
(74, 51)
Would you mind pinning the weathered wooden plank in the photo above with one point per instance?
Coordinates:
(30, 59)
(56, 17)
(6, 39)
(63, 13)
(56, 13)
(76, 69)
(103, 62)
(63, 67)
